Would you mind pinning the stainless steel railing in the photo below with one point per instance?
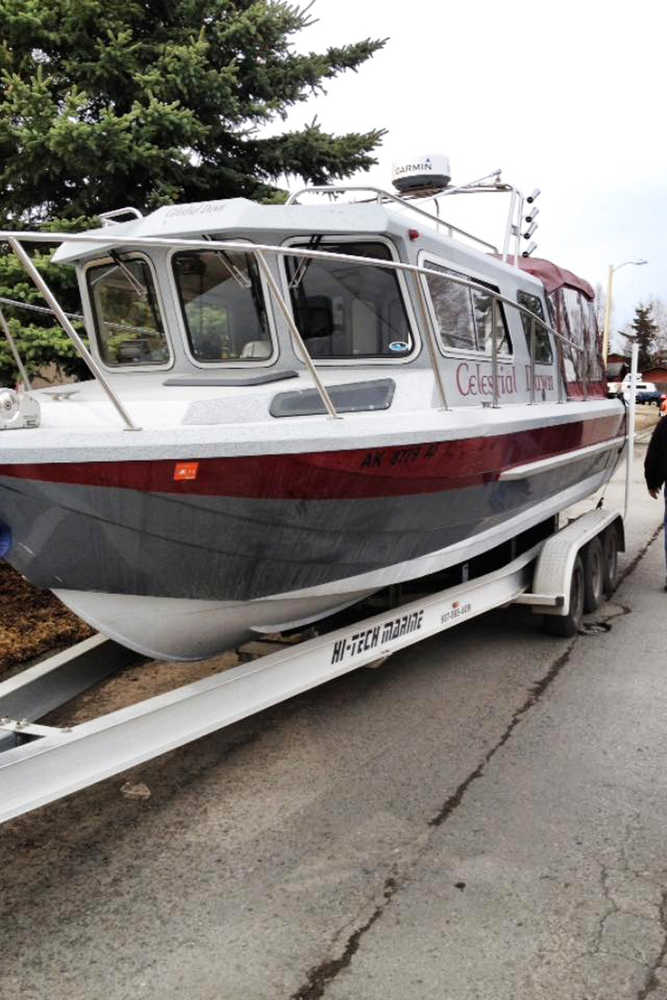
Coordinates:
(261, 251)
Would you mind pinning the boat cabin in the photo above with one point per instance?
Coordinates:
(189, 314)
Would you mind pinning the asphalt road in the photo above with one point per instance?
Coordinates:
(483, 817)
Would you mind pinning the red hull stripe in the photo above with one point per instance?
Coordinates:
(375, 472)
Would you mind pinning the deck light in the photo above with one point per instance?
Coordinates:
(529, 232)
(531, 197)
(529, 249)
(532, 215)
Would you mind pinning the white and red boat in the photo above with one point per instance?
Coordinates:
(295, 406)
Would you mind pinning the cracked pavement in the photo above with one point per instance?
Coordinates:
(482, 817)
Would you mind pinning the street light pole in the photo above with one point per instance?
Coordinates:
(607, 311)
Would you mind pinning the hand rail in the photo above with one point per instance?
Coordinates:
(289, 319)
(432, 345)
(532, 360)
(381, 193)
(39, 282)
(15, 354)
(259, 250)
(130, 242)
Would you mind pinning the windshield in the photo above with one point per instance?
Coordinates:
(127, 320)
(348, 310)
(223, 306)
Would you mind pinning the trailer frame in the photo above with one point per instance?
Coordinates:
(56, 761)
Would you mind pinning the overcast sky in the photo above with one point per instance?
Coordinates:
(569, 97)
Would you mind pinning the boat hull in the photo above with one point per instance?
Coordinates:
(183, 568)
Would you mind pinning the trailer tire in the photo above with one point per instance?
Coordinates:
(610, 547)
(594, 563)
(568, 625)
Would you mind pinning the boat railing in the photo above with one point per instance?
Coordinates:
(419, 275)
(382, 195)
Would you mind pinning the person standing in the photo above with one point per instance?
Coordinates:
(655, 469)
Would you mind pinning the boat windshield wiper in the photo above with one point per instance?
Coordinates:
(138, 287)
(235, 272)
(304, 264)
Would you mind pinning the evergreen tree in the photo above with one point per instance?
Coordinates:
(645, 331)
(105, 103)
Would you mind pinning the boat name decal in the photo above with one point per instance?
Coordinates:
(542, 382)
(377, 635)
(477, 380)
(472, 380)
(203, 208)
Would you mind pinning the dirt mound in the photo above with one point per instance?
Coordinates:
(32, 621)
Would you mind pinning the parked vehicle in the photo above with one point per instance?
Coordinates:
(645, 392)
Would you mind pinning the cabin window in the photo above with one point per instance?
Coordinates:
(464, 315)
(343, 309)
(223, 306)
(543, 355)
(127, 319)
(576, 321)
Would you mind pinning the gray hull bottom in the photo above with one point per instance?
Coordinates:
(183, 578)
(186, 629)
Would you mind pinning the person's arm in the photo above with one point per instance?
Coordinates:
(656, 458)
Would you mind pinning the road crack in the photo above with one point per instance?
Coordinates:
(652, 982)
(534, 695)
(321, 975)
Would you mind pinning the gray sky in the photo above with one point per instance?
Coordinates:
(569, 97)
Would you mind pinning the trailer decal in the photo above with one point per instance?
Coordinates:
(370, 638)
(456, 611)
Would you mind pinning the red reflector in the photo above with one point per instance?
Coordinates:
(413, 234)
(186, 470)
(455, 604)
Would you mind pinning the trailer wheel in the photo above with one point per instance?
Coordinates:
(610, 559)
(568, 625)
(593, 575)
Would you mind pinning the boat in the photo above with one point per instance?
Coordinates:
(294, 406)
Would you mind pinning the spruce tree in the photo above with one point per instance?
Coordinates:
(645, 331)
(106, 103)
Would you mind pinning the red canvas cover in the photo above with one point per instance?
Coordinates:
(552, 276)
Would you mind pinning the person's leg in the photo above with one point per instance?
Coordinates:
(665, 536)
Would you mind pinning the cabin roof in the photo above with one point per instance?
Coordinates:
(236, 214)
(553, 277)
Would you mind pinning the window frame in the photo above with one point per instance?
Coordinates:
(424, 259)
(553, 360)
(359, 362)
(159, 301)
(183, 327)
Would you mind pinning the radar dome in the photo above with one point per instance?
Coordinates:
(428, 171)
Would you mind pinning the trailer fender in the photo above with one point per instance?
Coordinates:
(555, 563)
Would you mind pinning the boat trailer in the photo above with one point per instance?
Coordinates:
(41, 763)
